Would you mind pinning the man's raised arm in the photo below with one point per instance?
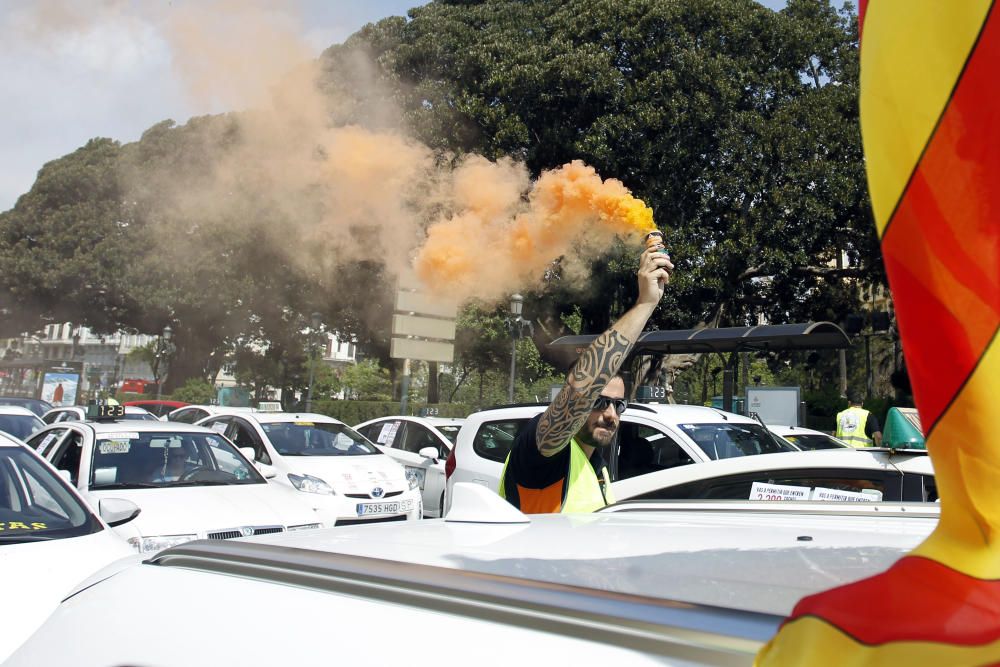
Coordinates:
(602, 360)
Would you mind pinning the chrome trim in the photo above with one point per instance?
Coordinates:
(233, 533)
(698, 633)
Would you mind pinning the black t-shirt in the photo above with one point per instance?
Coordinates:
(527, 467)
(872, 425)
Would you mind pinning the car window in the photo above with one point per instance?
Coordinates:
(125, 459)
(68, 456)
(643, 449)
(35, 505)
(303, 438)
(52, 417)
(44, 442)
(877, 484)
(189, 415)
(450, 431)
(417, 436)
(219, 424)
(243, 435)
(810, 441)
(728, 440)
(20, 426)
(494, 439)
(385, 433)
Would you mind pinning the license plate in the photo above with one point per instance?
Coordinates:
(394, 507)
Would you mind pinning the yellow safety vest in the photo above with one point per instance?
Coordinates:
(581, 491)
(851, 427)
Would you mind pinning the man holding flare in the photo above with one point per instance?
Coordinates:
(557, 462)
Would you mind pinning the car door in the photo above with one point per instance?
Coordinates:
(244, 435)
(46, 441)
(69, 456)
(643, 448)
(415, 437)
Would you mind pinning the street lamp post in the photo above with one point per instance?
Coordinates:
(316, 320)
(516, 303)
(164, 348)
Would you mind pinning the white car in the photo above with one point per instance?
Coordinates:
(420, 444)
(650, 437)
(853, 475)
(807, 439)
(50, 540)
(18, 422)
(644, 587)
(192, 414)
(79, 413)
(189, 482)
(328, 461)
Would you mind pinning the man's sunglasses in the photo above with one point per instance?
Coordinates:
(602, 403)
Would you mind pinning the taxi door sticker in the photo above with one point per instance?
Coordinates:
(762, 491)
(219, 427)
(866, 496)
(387, 433)
(18, 525)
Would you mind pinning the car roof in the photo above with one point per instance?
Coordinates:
(274, 417)
(7, 440)
(427, 421)
(859, 459)
(128, 425)
(668, 412)
(16, 410)
(750, 561)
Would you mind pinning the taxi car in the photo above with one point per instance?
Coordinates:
(651, 437)
(653, 586)
(50, 540)
(189, 482)
(79, 413)
(36, 405)
(807, 439)
(849, 475)
(160, 408)
(327, 460)
(19, 422)
(421, 445)
(191, 414)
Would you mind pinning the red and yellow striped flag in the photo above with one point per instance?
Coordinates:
(930, 120)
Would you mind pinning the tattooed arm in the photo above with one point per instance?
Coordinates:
(602, 360)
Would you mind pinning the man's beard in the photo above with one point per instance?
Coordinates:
(586, 436)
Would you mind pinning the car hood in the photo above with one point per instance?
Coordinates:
(352, 474)
(200, 509)
(43, 573)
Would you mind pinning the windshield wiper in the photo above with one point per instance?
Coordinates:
(213, 482)
(127, 485)
(15, 539)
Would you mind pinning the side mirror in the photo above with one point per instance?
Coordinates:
(116, 511)
(429, 453)
(269, 472)
(248, 452)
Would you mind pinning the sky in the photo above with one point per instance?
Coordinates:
(111, 71)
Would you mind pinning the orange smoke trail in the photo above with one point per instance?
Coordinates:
(496, 243)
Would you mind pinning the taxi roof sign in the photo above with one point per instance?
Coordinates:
(105, 410)
(269, 406)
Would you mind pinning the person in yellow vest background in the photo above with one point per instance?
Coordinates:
(556, 463)
(857, 426)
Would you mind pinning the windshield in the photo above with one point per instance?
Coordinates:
(317, 439)
(809, 441)
(450, 431)
(20, 426)
(729, 440)
(124, 460)
(35, 505)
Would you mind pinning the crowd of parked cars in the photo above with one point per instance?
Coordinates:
(81, 489)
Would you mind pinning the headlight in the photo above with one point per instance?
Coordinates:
(145, 545)
(415, 477)
(304, 526)
(310, 484)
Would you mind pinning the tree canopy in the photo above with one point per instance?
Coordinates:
(738, 125)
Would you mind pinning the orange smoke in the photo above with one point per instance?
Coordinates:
(496, 242)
